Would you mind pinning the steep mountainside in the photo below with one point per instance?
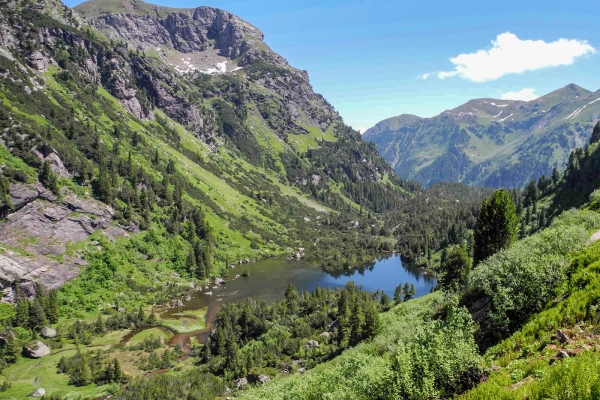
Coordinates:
(489, 142)
(181, 122)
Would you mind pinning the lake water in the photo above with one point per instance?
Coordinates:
(269, 278)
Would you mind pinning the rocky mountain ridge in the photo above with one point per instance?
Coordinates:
(490, 142)
(254, 152)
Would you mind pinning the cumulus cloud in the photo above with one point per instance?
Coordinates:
(424, 76)
(511, 55)
(526, 94)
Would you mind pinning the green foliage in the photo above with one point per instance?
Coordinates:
(455, 268)
(192, 384)
(259, 335)
(96, 367)
(497, 226)
(48, 178)
(521, 279)
(438, 361)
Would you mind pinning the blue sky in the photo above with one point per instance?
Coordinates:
(368, 58)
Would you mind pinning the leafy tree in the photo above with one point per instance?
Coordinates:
(456, 268)
(497, 226)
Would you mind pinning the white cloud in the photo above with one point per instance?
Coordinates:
(511, 55)
(424, 76)
(526, 94)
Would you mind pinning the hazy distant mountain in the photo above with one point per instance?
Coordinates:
(489, 142)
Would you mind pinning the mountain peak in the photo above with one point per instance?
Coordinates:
(201, 39)
(96, 8)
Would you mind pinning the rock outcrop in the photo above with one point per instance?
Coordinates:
(38, 350)
(43, 225)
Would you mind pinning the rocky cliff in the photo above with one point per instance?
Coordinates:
(104, 134)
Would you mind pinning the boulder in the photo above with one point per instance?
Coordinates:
(311, 344)
(39, 392)
(241, 382)
(562, 354)
(219, 281)
(301, 370)
(263, 379)
(325, 335)
(562, 337)
(39, 350)
(48, 332)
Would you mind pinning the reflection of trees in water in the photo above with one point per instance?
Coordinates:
(350, 272)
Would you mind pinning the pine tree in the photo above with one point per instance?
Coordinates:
(104, 186)
(22, 314)
(456, 268)
(141, 317)
(407, 293)
(48, 178)
(37, 316)
(398, 294)
(52, 310)
(372, 322)
(117, 373)
(497, 226)
(595, 133)
(357, 321)
(385, 301)
(152, 320)
(85, 374)
(99, 325)
(292, 299)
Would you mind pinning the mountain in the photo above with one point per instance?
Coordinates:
(488, 142)
(121, 119)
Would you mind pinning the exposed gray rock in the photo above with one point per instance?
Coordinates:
(37, 61)
(219, 281)
(562, 354)
(325, 335)
(311, 344)
(241, 382)
(562, 337)
(38, 350)
(263, 379)
(50, 155)
(48, 332)
(39, 392)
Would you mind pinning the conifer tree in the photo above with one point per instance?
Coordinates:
(292, 298)
(595, 133)
(456, 268)
(52, 311)
(497, 226)
(398, 293)
(22, 313)
(85, 374)
(37, 316)
(48, 178)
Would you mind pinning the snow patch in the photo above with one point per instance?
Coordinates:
(505, 118)
(499, 105)
(498, 114)
(575, 113)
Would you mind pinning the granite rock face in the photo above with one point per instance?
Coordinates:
(42, 226)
